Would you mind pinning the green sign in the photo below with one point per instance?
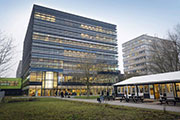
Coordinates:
(10, 83)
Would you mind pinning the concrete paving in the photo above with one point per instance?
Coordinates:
(130, 104)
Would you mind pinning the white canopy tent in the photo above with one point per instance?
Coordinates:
(170, 77)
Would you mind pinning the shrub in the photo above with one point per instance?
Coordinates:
(6, 99)
(11, 100)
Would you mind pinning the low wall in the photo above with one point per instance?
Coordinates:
(2, 93)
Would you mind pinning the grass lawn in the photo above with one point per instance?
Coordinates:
(56, 109)
(85, 97)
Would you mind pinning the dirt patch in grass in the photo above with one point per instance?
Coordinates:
(85, 97)
(11, 100)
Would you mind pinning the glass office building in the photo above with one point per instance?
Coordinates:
(56, 43)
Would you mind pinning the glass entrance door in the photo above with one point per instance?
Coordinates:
(49, 92)
(178, 89)
(151, 90)
(156, 90)
(49, 80)
(48, 84)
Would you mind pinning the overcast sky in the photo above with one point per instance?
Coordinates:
(132, 17)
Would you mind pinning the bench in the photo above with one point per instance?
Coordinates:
(121, 97)
(169, 98)
(109, 98)
(139, 98)
(162, 99)
(135, 98)
(132, 97)
(174, 100)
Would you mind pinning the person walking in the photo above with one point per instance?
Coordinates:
(66, 93)
(55, 93)
(62, 94)
(59, 93)
(102, 99)
(99, 100)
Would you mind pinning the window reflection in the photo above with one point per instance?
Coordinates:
(46, 17)
(37, 36)
(97, 29)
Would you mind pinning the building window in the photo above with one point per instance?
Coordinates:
(46, 17)
(49, 80)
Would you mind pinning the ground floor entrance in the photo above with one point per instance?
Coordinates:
(71, 90)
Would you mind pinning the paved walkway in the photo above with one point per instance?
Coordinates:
(130, 104)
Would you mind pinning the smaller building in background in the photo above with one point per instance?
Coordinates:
(11, 86)
(137, 54)
(19, 70)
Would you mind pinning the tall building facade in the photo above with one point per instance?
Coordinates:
(19, 70)
(56, 43)
(137, 54)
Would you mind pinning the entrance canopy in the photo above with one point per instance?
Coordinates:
(170, 77)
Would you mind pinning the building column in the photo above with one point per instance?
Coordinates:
(137, 90)
(175, 89)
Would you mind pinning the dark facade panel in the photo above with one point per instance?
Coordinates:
(72, 17)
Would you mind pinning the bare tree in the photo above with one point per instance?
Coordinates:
(165, 54)
(174, 36)
(87, 71)
(127, 75)
(5, 53)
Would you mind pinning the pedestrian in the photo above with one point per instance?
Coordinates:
(62, 94)
(36, 93)
(59, 93)
(56, 93)
(66, 93)
(102, 92)
(108, 93)
(102, 98)
(99, 100)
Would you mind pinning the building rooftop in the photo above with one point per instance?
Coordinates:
(151, 79)
(144, 36)
(73, 16)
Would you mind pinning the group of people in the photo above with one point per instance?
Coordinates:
(101, 98)
(63, 94)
